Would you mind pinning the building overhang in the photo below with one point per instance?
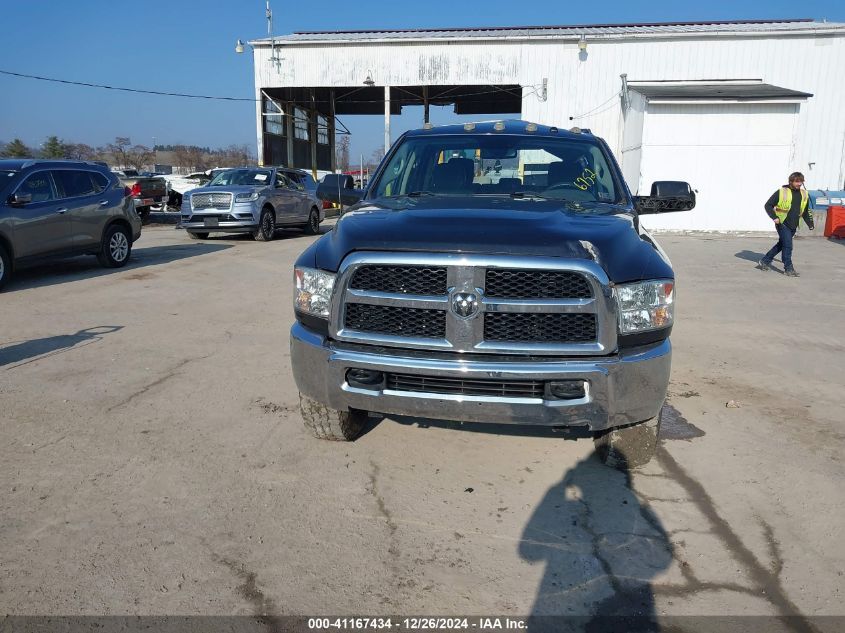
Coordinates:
(717, 90)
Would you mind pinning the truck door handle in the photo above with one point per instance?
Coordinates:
(103, 203)
(61, 211)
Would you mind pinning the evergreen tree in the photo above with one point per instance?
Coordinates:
(54, 148)
(17, 149)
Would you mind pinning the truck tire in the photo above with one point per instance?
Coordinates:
(266, 226)
(329, 424)
(630, 446)
(144, 214)
(5, 266)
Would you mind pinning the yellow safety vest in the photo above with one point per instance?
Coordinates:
(785, 202)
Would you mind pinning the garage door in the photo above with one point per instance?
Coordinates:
(735, 155)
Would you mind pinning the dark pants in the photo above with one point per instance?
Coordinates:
(784, 246)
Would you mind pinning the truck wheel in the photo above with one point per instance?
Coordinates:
(116, 248)
(201, 235)
(329, 424)
(628, 446)
(266, 226)
(313, 226)
(5, 266)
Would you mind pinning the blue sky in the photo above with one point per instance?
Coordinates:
(188, 46)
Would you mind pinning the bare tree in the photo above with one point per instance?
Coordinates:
(342, 150)
(119, 150)
(376, 156)
(81, 151)
(197, 159)
(235, 156)
(138, 156)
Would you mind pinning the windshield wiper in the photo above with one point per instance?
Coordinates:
(417, 194)
(528, 194)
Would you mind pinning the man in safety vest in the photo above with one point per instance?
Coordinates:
(786, 207)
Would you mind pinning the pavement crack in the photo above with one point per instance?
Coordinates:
(264, 608)
(392, 548)
(774, 547)
(170, 374)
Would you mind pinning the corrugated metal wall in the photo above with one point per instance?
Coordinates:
(583, 88)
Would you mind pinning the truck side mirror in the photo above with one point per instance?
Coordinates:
(666, 196)
(339, 189)
(20, 199)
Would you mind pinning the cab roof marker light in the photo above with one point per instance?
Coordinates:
(531, 127)
(428, 126)
(499, 126)
(469, 127)
(575, 130)
(553, 130)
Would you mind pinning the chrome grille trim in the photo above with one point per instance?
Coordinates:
(467, 273)
(211, 201)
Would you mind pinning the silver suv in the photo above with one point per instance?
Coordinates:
(256, 200)
(54, 208)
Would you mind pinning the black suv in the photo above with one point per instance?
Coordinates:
(58, 208)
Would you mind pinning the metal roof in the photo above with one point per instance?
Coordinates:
(717, 90)
(575, 30)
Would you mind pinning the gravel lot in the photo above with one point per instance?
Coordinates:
(154, 461)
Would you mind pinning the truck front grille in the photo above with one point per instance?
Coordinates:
(396, 321)
(211, 201)
(540, 328)
(536, 284)
(412, 280)
(465, 387)
(517, 305)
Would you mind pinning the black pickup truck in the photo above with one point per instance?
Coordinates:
(491, 272)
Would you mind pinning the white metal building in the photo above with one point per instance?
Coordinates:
(731, 107)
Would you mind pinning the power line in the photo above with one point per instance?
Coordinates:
(122, 89)
(593, 111)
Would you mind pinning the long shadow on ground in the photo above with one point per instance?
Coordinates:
(50, 273)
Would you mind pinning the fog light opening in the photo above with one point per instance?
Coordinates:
(365, 378)
(567, 389)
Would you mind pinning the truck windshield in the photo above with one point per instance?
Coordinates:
(470, 165)
(257, 177)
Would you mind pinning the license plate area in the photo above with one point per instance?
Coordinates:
(212, 222)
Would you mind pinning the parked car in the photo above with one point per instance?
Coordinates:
(145, 190)
(57, 208)
(442, 296)
(256, 200)
(178, 185)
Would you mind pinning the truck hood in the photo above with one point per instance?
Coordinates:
(499, 226)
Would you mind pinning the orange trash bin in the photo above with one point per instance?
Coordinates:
(834, 226)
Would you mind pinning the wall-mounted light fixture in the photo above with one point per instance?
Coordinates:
(239, 46)
(582, 44)
(369, 80)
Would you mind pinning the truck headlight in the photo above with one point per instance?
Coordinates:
(646, 305)
(246, 197)
(313, 291)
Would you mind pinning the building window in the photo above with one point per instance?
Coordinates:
(273, 119)
(322, 130)
(300, 124)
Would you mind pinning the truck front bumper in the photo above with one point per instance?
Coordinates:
(624, 388)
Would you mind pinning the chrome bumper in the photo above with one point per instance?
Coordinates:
(624, 388)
